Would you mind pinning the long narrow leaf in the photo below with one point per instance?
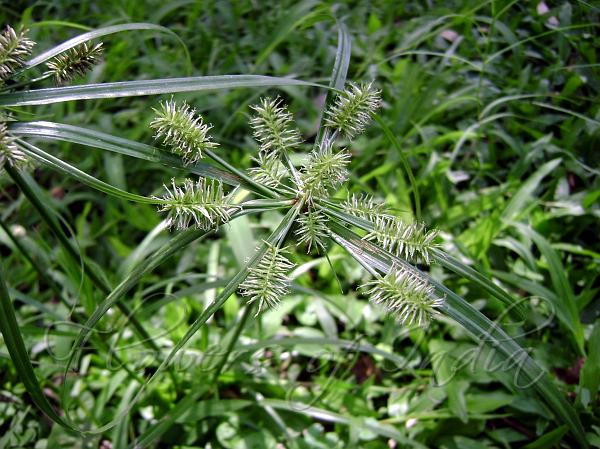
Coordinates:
(95, 34)
(108, 142)
(144, 87)
(67, 169)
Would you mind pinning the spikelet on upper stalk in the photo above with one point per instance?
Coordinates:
(14, 48)
(312, 230)
(74, 62)
(183, 130)
(267, 282)
(201, 204)
(405, 295)
(273, 127)
(364, 206)
(324, 170)
(408, 240)
(352, 109)
(9, 152)
(269, 171)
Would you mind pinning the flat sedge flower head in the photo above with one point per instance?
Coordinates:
(312, 230)
(410, 241)
(183, 130)
(353, 109)
(269, 170)
(268, 282)
(273, 127)
(9, 152)
(325, 170)
(14, 48)
(405, 295)
(201, 204)
(364, 206)
(74, 63)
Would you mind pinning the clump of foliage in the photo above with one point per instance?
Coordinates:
(289, 278)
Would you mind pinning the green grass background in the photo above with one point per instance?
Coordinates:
(495, 107)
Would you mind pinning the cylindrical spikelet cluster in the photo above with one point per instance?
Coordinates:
(273, 127)
(269, 170)
(9, 153)
(312, 230)
(408, 240)
(14, 48)
(405, 295)
(268, 282)
(364, 206)
(182, 130)
(325, 169)
(353, 108)
(201, 204)
(74, 62)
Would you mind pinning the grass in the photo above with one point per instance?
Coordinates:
(487, 133)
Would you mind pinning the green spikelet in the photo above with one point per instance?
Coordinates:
(9, 153)
(409, 298)
(363, 206)
(408, 240)
(269, 170)
(201, 204)
(312, 230)
(268, 282)
(183, 130)
(14, 48)
(325, 170)
(273, 127)
(352, 110)
(74, 62)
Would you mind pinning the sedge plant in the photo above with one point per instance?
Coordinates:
(394, 252)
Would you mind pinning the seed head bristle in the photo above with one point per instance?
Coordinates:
(364, 206)
(74, 62)
(269, 171)
(405, 295)
(408, 240)
(201, 204)
(273, 127)
(312, 230)
(14, 48)
(9, 152)
(352, 109)
(325, 170)
(183, 130)
(267, 282)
